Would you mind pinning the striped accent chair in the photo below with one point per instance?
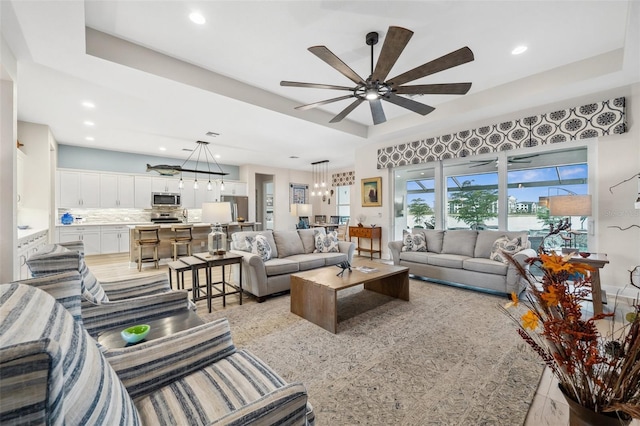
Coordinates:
(52, 372)
(109, 304)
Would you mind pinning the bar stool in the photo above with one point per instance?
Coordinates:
(147, 237)
(182, 236)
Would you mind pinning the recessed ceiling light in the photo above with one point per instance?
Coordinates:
(89, 123)
(197, 18)
(293, 156)
(518, 50)
(162, 148)
(217, 156)
(90, 138)
(421, 173)
(88, 104)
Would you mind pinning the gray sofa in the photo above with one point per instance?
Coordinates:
(462, 257)
(292, 251)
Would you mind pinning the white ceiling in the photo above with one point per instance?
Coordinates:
(147, 99)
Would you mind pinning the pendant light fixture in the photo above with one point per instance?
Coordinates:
(202, 147)
(320, 171)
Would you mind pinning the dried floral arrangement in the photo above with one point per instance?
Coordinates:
(599, 372)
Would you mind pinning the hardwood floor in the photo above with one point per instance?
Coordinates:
(548, 407)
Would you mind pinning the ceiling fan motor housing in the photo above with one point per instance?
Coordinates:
(372, 38)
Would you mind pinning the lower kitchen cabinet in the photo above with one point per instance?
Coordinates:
(114, 239)
(28, 246)
(89, 235)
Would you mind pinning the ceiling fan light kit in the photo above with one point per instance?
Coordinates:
(377, 87)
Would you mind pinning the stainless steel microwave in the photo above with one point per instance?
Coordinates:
(165, 199)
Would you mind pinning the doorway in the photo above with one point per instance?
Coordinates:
(265, 208)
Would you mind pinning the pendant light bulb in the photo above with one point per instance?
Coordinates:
(195, 184)
(209, 186)
(181, 183)
(222, 185)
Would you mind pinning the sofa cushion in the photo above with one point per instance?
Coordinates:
(447, 260)
(239, 241)
(414, 242)
(485, 266)
(416, 256)
(434, 239)
(326, 243)
(332, 258)
(280, 266)
(485, 240)
(260, 246)
(308, 240)
(288, 242)
(505, 245)
(460, 241)
(307, 261)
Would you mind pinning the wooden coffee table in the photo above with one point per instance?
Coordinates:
(314, 294)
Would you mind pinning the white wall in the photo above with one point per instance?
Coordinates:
(8, 167)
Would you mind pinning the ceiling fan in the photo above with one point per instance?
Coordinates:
(512, 160)
(377, 87)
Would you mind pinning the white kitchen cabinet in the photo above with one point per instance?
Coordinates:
(79, 189)
(142, 192)
(114, 239)
(234, 188)
(165, 184)
(203, 195)
(188, 194)
(89, 235)
(27, 247)
(116, 191)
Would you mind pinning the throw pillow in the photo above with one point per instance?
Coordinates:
(260, 246)
(413, 242)
(505, 245)
(326, 243)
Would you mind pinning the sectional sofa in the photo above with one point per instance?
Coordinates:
(468, 258)
(291, 251)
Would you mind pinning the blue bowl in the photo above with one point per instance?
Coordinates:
(136, 333)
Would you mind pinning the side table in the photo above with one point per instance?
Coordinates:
(221, 260)
(160, 327)
(367, 232)
(597, 261)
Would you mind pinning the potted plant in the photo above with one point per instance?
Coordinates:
(419, 209)
(599, 374)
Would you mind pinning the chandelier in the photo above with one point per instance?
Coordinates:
(201, 148)
(320, 171)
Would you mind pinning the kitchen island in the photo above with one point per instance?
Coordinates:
(165, 251)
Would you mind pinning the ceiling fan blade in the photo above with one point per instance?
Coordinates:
(327, 101)
(450, 60)
(412, 105)
(394, 43)
(377, 112)
(326, 55)
(435, 89)
(346, 111)
(314, 85)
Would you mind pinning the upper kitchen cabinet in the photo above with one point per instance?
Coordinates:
(163, 184)
(142, 192)
(234, 188)
(116, 191)
(79, 189)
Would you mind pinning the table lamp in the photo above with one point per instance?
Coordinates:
(216, 214)
(569, 205)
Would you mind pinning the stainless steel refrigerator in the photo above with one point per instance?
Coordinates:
(239, 206)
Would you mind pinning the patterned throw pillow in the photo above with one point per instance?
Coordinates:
(414, 242)
(260, 246)
(505, 245)
(326, 243)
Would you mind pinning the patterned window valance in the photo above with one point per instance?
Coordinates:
(586, 121)
(343, 179)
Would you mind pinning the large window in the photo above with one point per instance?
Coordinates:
(343, 200)
(506, 190)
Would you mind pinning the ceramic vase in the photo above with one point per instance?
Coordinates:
(582, 416)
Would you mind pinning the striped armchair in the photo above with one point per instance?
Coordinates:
(110, 304)
(52, 372)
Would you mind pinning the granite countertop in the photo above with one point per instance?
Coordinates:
(26, 233)
(74, 224)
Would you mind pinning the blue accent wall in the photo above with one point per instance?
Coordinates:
(75, 157)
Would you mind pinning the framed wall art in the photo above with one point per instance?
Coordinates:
(298, 194)
(372, 192)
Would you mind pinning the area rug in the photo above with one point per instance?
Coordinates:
(447, 357)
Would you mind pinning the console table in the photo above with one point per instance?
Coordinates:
(371, 233)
